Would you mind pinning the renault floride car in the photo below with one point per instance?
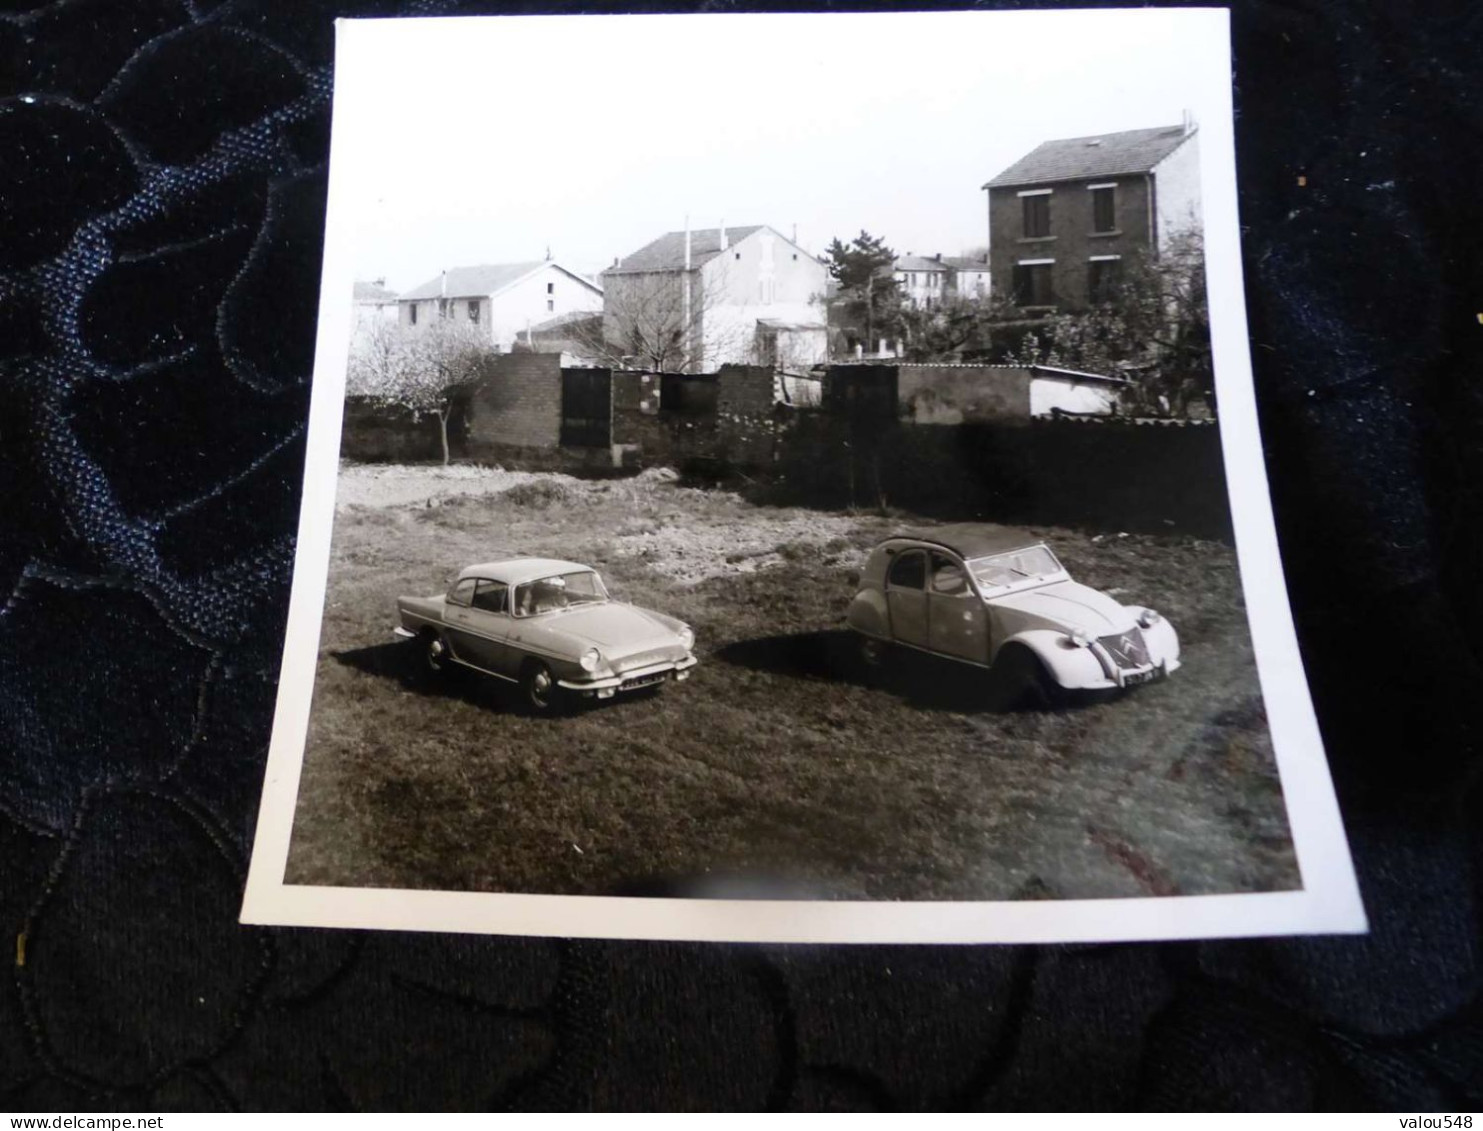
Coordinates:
(548, 626)
(1000, 599)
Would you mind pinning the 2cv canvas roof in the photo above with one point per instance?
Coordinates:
(974, 540)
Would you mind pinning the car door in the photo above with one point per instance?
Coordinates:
(467, 626)
(458, 620)
(485, 627)
(906, 597)
(957, 622)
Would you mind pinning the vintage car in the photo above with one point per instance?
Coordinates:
(548, 626)
(999, 599)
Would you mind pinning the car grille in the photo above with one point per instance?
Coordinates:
(1127, 649)
(642, 659)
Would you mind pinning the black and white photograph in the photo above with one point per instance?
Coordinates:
(750, 498)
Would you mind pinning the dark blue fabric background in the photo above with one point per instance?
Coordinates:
(162, 181)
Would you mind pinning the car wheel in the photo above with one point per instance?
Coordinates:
(873, 653)
(435, 657)
(539, 690)
(1019, 679)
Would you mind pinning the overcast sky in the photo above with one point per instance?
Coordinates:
(467, 141)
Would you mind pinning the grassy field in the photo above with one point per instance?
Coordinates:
(774, 770)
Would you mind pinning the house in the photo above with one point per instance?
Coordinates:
(920, 280)
(502, 299)
(928, 282)
(372, 303)
(1063, 218)
(692, 301)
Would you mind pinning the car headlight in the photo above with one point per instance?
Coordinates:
(687, 637)
(590, 659)
(1079, 638)
(1148, 618)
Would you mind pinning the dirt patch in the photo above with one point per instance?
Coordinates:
(390, 485)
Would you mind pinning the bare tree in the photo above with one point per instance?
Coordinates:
(1154, 326)
(665, 321)
(422, 370)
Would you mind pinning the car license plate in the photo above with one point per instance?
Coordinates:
(645, 681)
(1140, 677)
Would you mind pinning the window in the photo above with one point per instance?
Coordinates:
(550, 288)
(1104, 209)
(948, 578)
(550, 305)
(463, 592)
(492, 597)
(1033, 285)
(442, 308)
(412, 314)
(738, 255)
(1037, 216)
(473, 310)
(1104, 278)
(908, 571)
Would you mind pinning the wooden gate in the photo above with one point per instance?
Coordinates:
(586, 408)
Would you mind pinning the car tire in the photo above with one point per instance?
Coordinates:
(435, 656)
(872, 653)
(1018, 679)
(538, 689)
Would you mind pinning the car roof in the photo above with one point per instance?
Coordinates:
(972, 539)
(513, 571)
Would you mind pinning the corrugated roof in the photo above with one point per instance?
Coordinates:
(1100, 155)
(485, 279)
(667, 253)
(373, 292)
(562, 321)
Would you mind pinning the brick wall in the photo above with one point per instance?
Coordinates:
(961, 394)
(1071, 243)
(374, 433)
(516, 405)
(1106, 475)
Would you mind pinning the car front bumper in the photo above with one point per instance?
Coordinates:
(651, 675)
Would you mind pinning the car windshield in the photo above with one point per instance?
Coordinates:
(558, 591)
(1031, 563)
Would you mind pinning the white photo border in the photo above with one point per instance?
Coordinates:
(1328, 902)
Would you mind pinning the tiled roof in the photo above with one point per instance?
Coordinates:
(1101, 155)
(667, 253)
(485, 279)
(920, 263)
(373, 292)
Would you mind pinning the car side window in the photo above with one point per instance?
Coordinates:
(492, 597)
(463, 592)
(908, 571)
(948, 578)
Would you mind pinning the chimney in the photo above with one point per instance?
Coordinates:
(381, 282)
(795, 231)
(724, 244)
(938, 257)
(615, 261)
(443, 286)
(1189, 122)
